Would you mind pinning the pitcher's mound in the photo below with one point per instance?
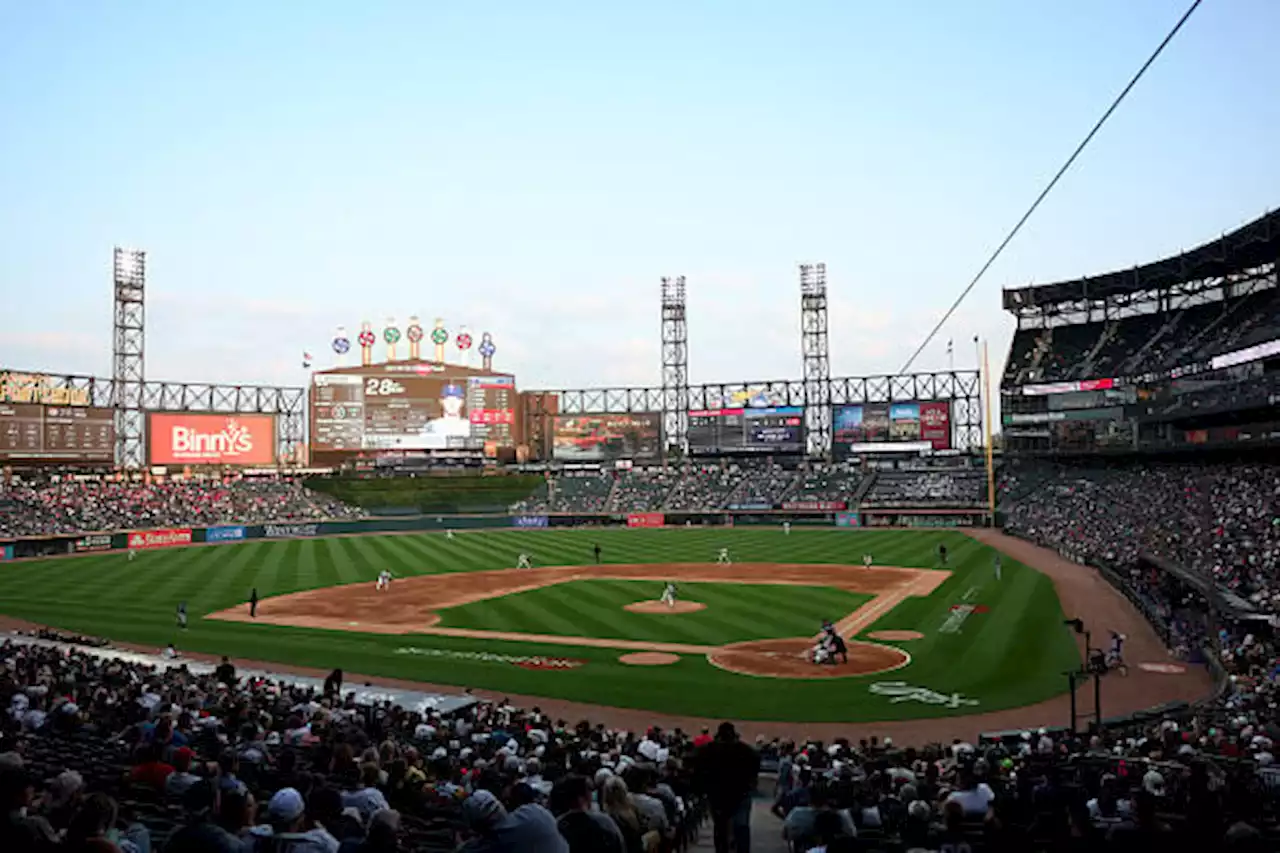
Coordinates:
(659, 607)
(896, 635)
(649, 658)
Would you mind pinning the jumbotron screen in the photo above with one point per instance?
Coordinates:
(410, 411)
(605, 438)
(775, 429)
(33, 432)
(873, 427)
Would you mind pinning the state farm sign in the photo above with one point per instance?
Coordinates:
(159, 538)
(182, 438)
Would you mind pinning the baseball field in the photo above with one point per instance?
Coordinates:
(924, 639)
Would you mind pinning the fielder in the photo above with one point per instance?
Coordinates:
(523, 561)
(448, 534)
(669, 594)
(132, 555)
(786, 528)
(866, 561)
(722, 559)
(384, 580)
(996, 565)
(182, 615)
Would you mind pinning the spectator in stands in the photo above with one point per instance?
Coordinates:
(201, 833)
(615, 801)
(727, 772)
(584, 830)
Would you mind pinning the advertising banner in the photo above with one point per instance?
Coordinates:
(6, 553)
(225, 534)
(814, 506)
(159, 538)
(904, 422)
(187, 438)
(92, 542)
(848, 519)
(289, 531)
(646, 519)
(752, 507)
(601, 438)
(529, 521)
(935, 424)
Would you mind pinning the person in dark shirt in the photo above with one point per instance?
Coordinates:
(597, 550)
(19, 831)
(585, 831)
(226, 671)
(201, 834)
(726, 771)
(253, 603)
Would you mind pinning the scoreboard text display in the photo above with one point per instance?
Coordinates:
(410, 412)
(777, 429)
(56, 433)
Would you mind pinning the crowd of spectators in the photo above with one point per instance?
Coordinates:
(101, 754)
(763, 485)
(827, 483)
(69, 505)
(954, 488)
(644, 489)
(97, 753)
(1221, 520)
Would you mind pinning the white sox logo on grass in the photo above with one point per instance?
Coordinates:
(522, 661)
(289, 531)
(900, 691)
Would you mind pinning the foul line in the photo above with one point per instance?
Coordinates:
(864, 617)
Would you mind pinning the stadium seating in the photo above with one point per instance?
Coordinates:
(80, 506)
(941, 488)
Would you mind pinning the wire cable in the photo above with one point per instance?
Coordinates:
(1049, 187)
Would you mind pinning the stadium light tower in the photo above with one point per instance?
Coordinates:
(129, 276)
(675, 363)
(817, 360)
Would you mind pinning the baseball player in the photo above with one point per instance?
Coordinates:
(995, 562)
(384, 580)
(723, 558)
(448, 534)
(669, 594)
(182, 615)
(786, 528)
(132, 555)
(253, 603)
(866, 561)
(524, 561)
(942, 554)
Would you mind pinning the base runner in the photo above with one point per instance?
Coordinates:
(669, 594)
(524, 561)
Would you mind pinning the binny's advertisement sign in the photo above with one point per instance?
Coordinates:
(185, 438)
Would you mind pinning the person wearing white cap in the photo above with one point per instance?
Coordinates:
(287, 813)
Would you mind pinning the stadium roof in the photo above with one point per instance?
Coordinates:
(1249, 247)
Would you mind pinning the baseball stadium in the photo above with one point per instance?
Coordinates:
(417, 601)
(818, 558)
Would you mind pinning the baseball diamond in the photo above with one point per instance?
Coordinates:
(457, 611)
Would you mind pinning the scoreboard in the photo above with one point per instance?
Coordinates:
(353, 412)
(34, 432)
(777, 429)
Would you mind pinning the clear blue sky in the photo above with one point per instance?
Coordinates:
(532, 169)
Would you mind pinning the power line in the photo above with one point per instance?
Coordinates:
(1049, 188)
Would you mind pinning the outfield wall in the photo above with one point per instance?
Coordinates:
(47, 546)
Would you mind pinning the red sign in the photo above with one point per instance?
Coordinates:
(182, 438)
(646, 519)
(819, 506)
(492, 416)
(159, 538)
(935, 424)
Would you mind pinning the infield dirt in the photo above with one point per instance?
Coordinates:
(409, 605)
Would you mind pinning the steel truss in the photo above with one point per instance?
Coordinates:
(961, 388)
(289, 405)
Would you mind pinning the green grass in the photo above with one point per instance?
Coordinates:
(1009, 656)
(594, 608)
